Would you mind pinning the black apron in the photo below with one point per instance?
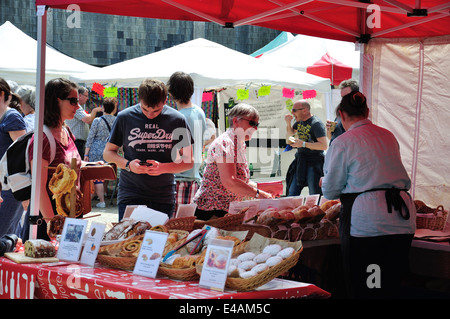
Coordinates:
(393, 199)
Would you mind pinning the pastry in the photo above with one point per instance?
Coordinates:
(172, 238)
(38, 248)
(63, 179)
(119, 231)
(272, 249)
(234, 262)
(160, 228)
(138, 228)
(55, 226)
(301, 214)
(273, 261)
(328, 204)
(268, 217)
(246, 256)
(286, 252)
(333, 212)
(248, 274)
(247, 265)
(185, 262)
(62, 201)
(260, 268)
(316, 213)
(232, 271)
(262, 257)
(131, 248)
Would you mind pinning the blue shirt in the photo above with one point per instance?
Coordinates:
(195, 117)
(12, 121)
(363, 158)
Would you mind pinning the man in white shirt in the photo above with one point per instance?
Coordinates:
(79, 125)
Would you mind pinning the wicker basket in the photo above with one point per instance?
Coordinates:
(179, 274)
(264, 277)
(124, 263)
(227, 222)
(182, 223)
(433, 221)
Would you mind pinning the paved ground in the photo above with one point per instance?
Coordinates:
(108, 215)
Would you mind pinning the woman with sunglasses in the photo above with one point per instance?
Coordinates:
(61, 103)
(227, 177)
(12, 126)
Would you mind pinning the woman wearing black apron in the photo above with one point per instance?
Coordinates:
(363, 168)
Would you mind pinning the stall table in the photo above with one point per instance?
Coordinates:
(76, 281)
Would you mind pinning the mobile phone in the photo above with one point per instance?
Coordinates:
(144, 163)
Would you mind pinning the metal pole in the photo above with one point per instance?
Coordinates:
(39, 120)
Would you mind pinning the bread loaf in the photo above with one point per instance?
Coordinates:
(38, 248)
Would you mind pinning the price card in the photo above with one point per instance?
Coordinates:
(215, 266)
(71, 239)
(92, 244)
(152, 248)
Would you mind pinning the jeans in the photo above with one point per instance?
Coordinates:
(313, 175)
(167, 208)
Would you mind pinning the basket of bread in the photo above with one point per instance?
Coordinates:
(123, 253)
(303, 222)
(260, 260)
(430, 218)
(180, 263)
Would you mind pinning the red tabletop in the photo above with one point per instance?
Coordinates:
(77, 281)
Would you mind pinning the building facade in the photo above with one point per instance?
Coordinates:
(101, 40)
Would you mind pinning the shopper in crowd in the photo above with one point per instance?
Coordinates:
(156, 135)
(181, 88)
(335, 129)
(79, 125)
(226, 177)
(12, 126)
(364, 169)
(96, 142)
(61, 103)
(28, 97)
(311, 142)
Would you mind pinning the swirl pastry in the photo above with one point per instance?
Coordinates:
(55, 226)
(131, 248)
(236, 240)
(160, 228)
(63, 180)
(63, 204)
(185, 262)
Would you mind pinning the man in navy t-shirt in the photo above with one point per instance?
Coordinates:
(156, 143)
(310, 141)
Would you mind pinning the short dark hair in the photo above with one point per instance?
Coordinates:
(54, 89)
(181, 87)
(354, 104)
(152, 92)
(109, 104)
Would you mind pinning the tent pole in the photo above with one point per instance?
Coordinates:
(39, 120)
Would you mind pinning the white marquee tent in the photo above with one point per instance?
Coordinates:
(211, 65)
(18, 58)
(303, 51)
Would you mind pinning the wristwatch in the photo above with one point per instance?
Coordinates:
(127, 166)
(304, 144)
(257, 193)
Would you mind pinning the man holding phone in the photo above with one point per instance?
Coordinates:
(156, 143)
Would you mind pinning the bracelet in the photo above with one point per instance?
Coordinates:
(304, 144)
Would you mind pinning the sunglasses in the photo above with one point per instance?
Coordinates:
(251, 122)
(72, 100)
(295, 110)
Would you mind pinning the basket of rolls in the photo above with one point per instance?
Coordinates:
(259, 261)
(182, 264)
(430, 218)
(123, 255)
